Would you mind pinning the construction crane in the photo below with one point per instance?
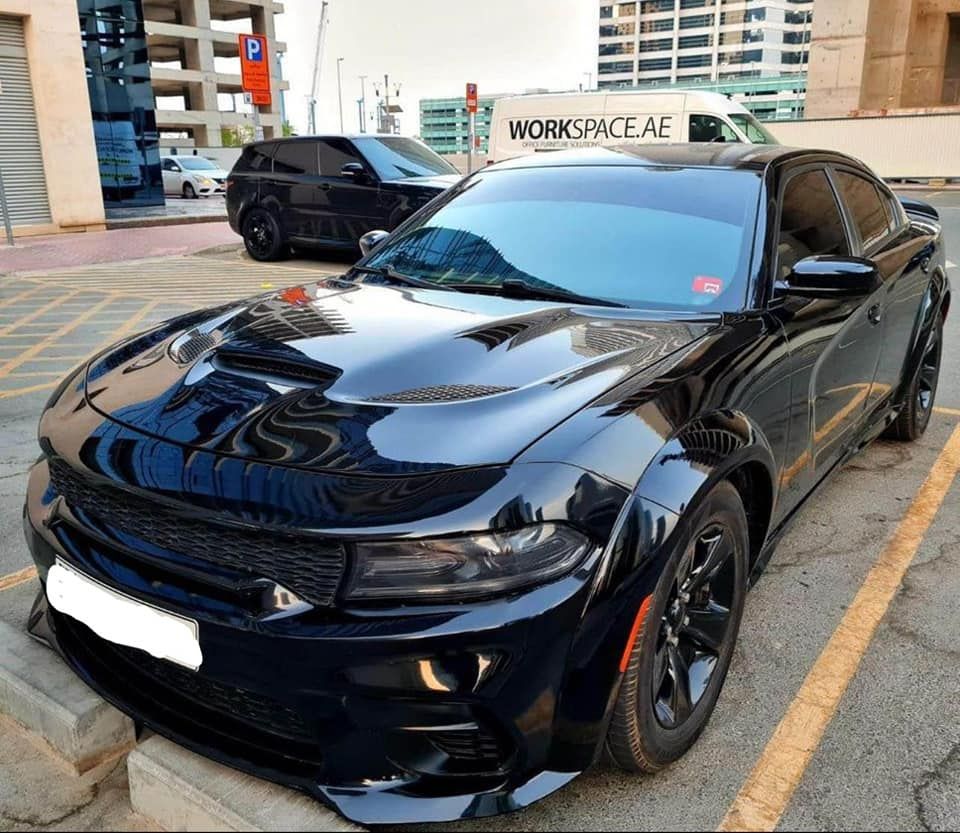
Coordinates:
(317, 60)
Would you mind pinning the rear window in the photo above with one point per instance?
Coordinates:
(863, 200)
(662, 238)
(254, 158)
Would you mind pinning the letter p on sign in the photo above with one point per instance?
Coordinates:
(254, 50)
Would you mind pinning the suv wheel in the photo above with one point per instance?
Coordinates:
(262, 235)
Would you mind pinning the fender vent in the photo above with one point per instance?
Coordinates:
(440, 393)
(707, 445)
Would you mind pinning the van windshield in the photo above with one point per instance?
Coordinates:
(752, 129)
(654, 238)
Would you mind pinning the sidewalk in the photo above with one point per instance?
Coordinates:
(177, 211)
(64, 250)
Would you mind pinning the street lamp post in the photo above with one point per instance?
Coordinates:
(340, 93)
(589, 80)
(363, 104)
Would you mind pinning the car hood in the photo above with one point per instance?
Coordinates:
(438, 181)
(379, 379)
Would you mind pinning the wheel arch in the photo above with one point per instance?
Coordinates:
(935, 306)
(725, 445)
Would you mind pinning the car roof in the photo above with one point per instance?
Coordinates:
(351, 136)
(737, 155)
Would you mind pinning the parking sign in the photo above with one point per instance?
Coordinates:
(255, 67)
(471, 98)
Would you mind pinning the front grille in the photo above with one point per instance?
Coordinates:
(249, 706)
(310, 567)
(475, 745)
(440, 393)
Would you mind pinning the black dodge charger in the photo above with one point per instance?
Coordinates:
(423, 539)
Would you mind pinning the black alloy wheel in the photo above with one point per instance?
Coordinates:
(917, 407)
(686, 640)
(262, 236)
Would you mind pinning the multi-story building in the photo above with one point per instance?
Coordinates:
(719, 43)
(445, 127)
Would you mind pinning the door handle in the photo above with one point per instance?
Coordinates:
(325, 186)
(874, 314)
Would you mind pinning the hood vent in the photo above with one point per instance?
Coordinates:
(281, 370)
(187, 349)
(440, 393)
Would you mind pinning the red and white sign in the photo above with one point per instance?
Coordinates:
(471, 98)
(255, 68)
(707, 285)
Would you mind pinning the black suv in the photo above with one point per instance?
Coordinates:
(329, 190)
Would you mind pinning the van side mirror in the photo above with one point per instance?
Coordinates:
(371, 240)
(828, 276)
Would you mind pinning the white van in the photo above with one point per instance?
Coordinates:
(557, 121)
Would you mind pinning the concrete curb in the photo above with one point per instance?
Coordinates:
(180, 790)
(149, 222)
(42, 694)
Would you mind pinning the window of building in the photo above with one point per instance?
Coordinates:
(656, 63)
(951, 66)
(865, 205)
(695, 21)
(296, 158)
(695, 41)
(684, 61)
(657, 45)
(622, 48)
(606, 11)
(695, 4)
(615, 29)
(653, 6)
(615, 66)
(626, 9)
(810, 222)
(663, 25)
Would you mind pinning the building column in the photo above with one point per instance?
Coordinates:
(198, 55)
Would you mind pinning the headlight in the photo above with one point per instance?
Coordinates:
(471, 566)
(205, 181)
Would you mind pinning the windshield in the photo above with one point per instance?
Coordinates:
(197, 163)
(664, 238)
(397, 158)
(752, 129)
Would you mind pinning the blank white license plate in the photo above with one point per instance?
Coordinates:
(122, 619)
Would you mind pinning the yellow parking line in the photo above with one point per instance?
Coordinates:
(50, 339)
(6, 394)
(13, 299)
(34, 374)
(56, 302)
(19, 577)
(767, 791)
(948, 411)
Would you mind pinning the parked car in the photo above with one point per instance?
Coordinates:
(328, 191)
(423, 538)
(192, 176)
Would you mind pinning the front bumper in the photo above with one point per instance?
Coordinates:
(388, 715)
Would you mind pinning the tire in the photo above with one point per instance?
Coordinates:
(188, 191)
(262, 235)
(918, 401)
(651, 727)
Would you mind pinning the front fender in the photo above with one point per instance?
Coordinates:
(936, 301)
(702, 453)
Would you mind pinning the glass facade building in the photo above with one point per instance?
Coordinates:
(121, 101)
(710, 44)
(444, 125)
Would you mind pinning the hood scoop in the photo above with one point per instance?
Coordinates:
(194, 344)
(284, 323)
(430, 394)
(285, 370)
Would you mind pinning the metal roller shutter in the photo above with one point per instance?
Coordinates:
(21, 161)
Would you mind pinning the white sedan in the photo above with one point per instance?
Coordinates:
(192, 176)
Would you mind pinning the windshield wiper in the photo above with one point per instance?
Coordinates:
(517, 288)
(392, 274)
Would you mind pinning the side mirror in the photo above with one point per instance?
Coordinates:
(371, 240)
(828, 276)
(352, 170)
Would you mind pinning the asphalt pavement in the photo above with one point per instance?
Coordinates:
(886, 755)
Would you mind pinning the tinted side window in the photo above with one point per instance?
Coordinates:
(865, 205)
(254, 158)
(810, 222)
(334, 154)
(710, 129)
(170, 165)
(295, 158)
